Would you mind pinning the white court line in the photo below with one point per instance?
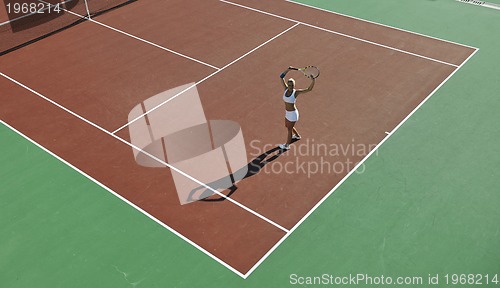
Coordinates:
(146, 153)
(161, 47)
(371, 22)
(155, 45)
(138, 38)
(126, 201)
(202, 80)
(87, 8)
(359, 164)
(340, 34)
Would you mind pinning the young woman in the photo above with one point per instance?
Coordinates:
(291, 113)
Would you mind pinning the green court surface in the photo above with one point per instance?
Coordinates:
(427, 203)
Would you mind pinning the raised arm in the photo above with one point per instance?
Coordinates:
(308, 89)
(282, 76)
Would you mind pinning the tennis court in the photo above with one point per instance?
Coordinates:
(109, 178)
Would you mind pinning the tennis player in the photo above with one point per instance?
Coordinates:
(291, 113)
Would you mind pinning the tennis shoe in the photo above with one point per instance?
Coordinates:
(284, 146)
(296, 137)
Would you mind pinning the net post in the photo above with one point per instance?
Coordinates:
(87, 8)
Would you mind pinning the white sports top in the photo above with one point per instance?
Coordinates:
(291, 98)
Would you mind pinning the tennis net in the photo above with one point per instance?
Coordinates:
(25, 21)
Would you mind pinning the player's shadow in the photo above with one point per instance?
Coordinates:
(253, 168)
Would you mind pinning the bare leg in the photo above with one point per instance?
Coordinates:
(289, 138)
(295, 132)
(289, 126)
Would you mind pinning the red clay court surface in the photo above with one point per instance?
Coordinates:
(72, 93)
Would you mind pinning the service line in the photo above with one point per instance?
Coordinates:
(338, 33)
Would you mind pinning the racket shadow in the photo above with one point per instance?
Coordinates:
(253, 168)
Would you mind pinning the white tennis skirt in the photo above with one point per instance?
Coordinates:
(292, 116)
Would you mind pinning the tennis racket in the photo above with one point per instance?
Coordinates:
(309, 71)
